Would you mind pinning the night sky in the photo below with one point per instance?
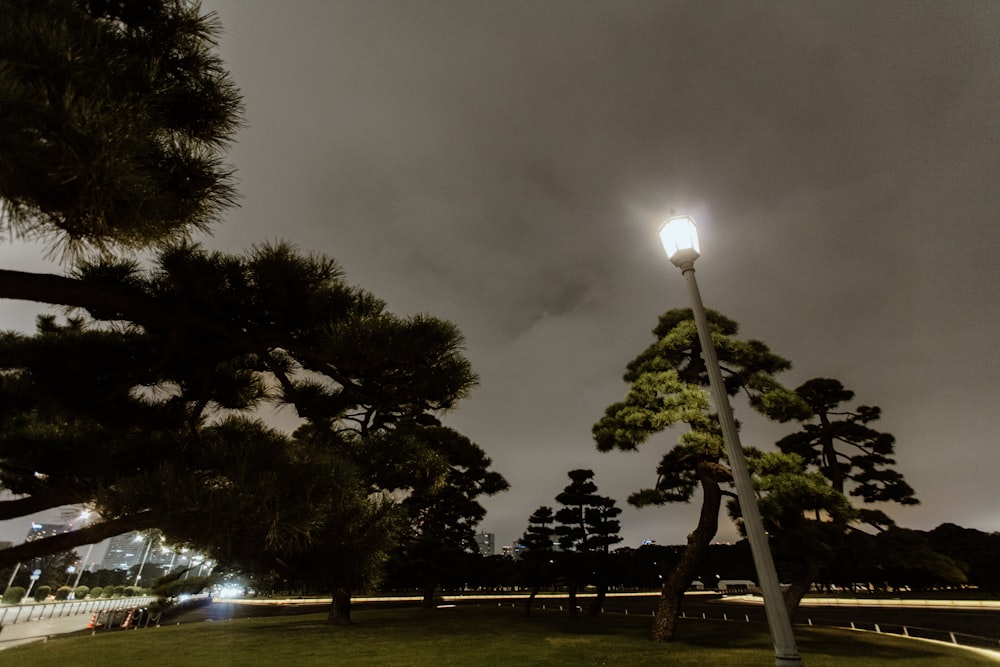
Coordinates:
(505, 165)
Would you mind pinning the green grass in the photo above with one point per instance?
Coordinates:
(484, 636)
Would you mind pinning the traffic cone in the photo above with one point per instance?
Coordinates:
(128, 620)
(92, 626)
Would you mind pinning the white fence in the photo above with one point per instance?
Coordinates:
(37, 611)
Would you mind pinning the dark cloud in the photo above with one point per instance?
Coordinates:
(506, 164)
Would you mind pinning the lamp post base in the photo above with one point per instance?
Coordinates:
(787, 661)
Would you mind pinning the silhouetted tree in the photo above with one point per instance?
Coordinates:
(113, 118)
(978, 550)
(604, 529)
(906, 558)
(585, 528)
(841, 444)
(857, 460)
(537, 552)
(444, 508)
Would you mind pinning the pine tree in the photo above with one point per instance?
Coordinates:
(841, 444)
(113, 121)
(537, 552)
(806, 518)
(585, 529)
(667, 387)
(444, 508)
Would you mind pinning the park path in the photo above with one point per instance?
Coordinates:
(33, 631)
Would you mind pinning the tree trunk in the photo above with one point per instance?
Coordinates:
(668, 611)
(429, 595)
(830, 458)
(340, 608)
(531, 600)
(800, 586)
(572, 600)
(597, 606)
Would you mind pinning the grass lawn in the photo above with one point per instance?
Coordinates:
(481, 636)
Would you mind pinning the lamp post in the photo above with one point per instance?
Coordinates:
(86, 559)
(142, 564)
(10, 582)
(679, 236)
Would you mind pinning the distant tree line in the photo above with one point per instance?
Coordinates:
(947, 558)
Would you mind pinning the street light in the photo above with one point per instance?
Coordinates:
(679, 236)
(142, 564)
(86, 559)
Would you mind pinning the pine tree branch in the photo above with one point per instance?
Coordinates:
(92, 534)
(19, 507)
(116, 303)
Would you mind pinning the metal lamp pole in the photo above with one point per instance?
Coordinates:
(138, 574)
(680, 240)
(86, 560)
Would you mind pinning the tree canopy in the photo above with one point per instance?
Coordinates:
(667, 387)
(113, 121)
(805, 518)
(847, 450)
(95, 406)
(142, 403)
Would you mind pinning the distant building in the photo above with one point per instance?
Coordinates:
(127, 550)
(123, 552)
(40, 530)
(486, 543)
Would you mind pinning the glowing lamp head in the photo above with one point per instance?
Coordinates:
(679, 236)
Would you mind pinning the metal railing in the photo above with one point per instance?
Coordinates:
(916, 632)
(37, 611)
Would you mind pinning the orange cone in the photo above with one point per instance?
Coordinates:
(92, 626)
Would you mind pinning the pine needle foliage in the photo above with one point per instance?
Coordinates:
(114, 118)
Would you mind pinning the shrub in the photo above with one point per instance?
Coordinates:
(81, 592)
(119, 591)
(95, 592)
(62, 593)
(42, 593)
(108, 591)
(13, 595)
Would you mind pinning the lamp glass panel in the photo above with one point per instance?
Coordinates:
(678, 234)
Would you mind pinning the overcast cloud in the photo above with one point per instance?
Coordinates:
(505, 165)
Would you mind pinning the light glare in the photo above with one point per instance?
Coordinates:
(679, 233)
